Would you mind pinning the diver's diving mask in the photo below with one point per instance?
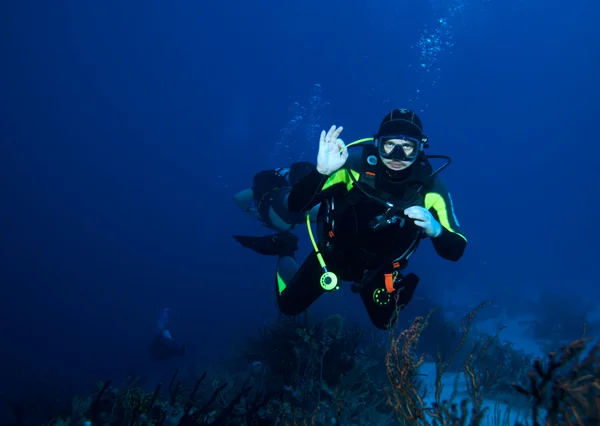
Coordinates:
(406, 149)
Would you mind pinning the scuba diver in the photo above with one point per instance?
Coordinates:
(267, 200)
(164, 345)
(376, 206)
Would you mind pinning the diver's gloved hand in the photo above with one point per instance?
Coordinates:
(332, 151)
(424, 219)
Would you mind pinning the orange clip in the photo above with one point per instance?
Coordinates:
(389, 283)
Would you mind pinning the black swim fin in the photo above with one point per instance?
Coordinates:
(407, 287)
(270, 245)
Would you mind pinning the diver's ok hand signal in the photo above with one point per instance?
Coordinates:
(332, 151)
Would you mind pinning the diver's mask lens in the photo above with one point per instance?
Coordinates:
(398, 147)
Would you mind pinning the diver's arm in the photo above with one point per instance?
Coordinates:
(316, 187)
(309, 192)
(451, 243)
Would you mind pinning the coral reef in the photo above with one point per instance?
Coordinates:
(329, 373)
(564, 388)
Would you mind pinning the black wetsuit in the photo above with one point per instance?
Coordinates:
(270, 187)
(352, 249)
(162, 348)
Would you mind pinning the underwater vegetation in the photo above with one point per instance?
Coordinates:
(296, 373)
(562, 389)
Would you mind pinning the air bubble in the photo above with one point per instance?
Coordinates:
(298, 139)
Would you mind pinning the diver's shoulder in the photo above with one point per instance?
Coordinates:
(356, 154)
(436, 184)
(354, 157)
(437, 178)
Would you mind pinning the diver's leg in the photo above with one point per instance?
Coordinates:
(245, 201)
(297, 288)
(285, 200)
(313, 212)
(277, 221)
(382, 306)
(280, 217)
